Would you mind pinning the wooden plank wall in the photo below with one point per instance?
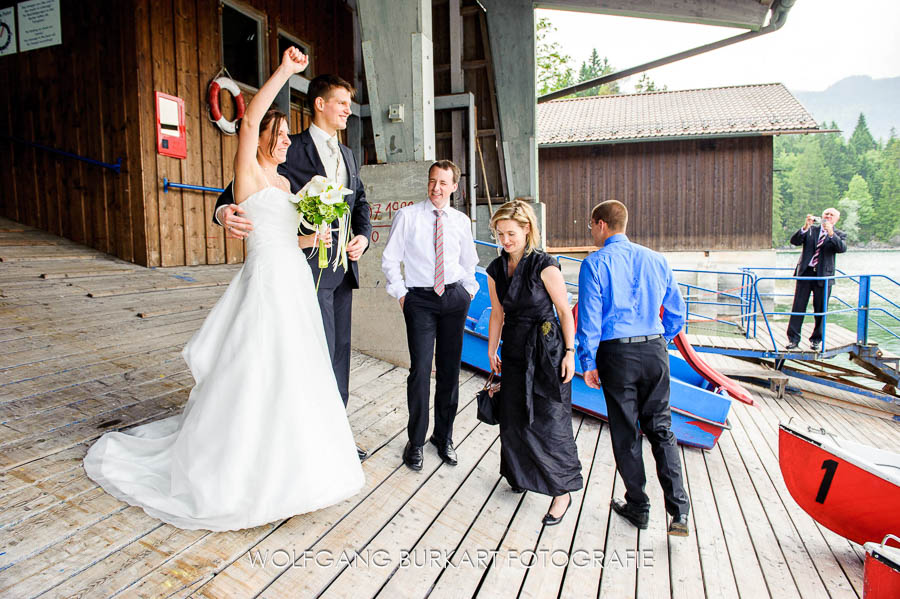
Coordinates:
(681, 195)
(74, 97)
(94, 95)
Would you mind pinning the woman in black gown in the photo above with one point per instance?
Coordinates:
(538, 450)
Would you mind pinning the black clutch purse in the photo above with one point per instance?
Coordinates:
(487, 401)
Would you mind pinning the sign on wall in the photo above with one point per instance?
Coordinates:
(39, 24)
(7, 31)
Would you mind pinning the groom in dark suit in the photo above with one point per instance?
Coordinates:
(820, 245)
(316, 151)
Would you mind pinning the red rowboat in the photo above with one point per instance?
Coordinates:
(881, 574)
(850, 488)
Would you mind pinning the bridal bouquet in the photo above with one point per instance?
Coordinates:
(320, 203)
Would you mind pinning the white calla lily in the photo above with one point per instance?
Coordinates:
(331, 196)
(314, 187)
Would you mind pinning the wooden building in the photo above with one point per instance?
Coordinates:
(693, 167)
(94, 95)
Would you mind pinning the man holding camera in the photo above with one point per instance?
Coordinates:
(820, 241)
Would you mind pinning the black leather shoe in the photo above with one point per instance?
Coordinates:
(445, 450)
(516, 490)
(414, 456)
(362, 453)
(815, 345)
(792, 345)
(679, 526)
(551, 520)
(639, 518)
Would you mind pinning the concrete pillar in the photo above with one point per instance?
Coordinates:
(378, 326)
(397, 53)
(511, 33)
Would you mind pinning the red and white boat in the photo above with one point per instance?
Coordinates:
(850, 488)
(881, 573)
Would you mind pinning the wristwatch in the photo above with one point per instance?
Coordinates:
(570, 349)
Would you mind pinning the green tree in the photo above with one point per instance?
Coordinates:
(593, 68)
(861, 141)
(645, 84)
(849, 222)
(837, 157)
(553, 66)
(811, 185)
(778, 224)
(887, 203)
(859, 207)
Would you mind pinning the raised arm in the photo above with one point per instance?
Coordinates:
(248, 177)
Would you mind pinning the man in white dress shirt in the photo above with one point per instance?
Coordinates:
(434, 243)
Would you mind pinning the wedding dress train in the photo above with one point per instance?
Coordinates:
(264, 434)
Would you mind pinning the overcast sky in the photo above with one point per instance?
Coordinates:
(822, 42)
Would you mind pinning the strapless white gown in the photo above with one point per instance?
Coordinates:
(264, 434)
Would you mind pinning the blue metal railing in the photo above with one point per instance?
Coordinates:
(114, 166)
(864, 310)
(744, 299)
(167, 184)
(749, 299)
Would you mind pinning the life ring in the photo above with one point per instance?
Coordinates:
(227, 127)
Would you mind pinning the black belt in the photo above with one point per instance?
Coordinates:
(640, 339)
(447, 286)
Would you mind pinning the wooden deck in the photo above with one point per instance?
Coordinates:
(76, 360)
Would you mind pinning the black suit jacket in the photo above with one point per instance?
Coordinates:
(302, 164)
(831, 246)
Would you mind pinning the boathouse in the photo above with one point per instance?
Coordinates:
(694, 167)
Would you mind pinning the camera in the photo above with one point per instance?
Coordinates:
(817, 221)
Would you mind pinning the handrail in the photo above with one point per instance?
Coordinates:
(745, 301)
(863, 307)
(167, 184)
(115, 166)
(751, 303)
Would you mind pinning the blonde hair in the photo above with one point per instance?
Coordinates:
(523, 214)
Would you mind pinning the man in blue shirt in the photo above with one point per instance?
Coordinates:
(622, 343)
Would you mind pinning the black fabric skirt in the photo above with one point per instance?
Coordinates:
(540, 455)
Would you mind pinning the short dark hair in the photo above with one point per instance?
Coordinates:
(446, 165)
(613, 213)
(321, 86)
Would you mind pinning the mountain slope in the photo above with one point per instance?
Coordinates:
(878, 99)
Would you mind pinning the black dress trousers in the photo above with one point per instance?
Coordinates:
(434, 330)
(336, 305)
(801, 301)
(635, 380)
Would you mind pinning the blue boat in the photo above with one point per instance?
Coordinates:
(699, 414)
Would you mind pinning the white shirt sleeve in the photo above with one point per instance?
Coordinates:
(393, 256)
(218, 213)
(468, 259)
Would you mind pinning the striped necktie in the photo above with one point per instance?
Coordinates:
(815, 258)
(438, 253)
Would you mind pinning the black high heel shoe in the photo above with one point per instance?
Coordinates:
(550, 520)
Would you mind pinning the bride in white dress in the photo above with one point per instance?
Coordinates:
(264, 435)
